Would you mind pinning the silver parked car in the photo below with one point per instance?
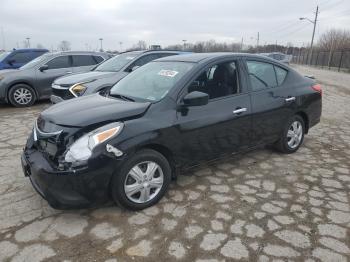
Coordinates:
(22, 87)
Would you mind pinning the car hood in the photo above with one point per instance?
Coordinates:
(85, 77)
(5, 72)
(92, 109)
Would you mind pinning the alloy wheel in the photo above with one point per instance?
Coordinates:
(143, 182)
(294, 134)
(22, 96)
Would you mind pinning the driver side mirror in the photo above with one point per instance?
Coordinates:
(196, 98)
(43, 68)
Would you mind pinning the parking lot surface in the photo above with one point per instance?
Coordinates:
(259, 206)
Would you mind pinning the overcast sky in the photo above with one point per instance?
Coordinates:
(164, 22)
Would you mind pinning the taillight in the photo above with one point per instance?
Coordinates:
(317, 88)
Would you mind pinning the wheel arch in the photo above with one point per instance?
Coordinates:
(166, 152)
(305, 117)
(21, 83)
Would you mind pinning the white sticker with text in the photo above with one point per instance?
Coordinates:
(168, 73)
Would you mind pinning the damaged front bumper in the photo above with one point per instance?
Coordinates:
(74, 188)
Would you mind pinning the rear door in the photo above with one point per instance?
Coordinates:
(224, 124)
(83, 63)
(272, 103)
(57, 66)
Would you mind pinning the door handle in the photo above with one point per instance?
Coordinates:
(239, 110)
(69, 72)
(290, 99)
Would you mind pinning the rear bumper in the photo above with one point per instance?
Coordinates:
(77, 188)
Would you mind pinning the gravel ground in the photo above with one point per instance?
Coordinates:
(260, 206)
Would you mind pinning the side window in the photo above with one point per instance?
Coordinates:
(21, 57)
(262, 75)
(98, 59)
(217, 81)
(280, 74)
(38, 53)
(59, 62)
(83, 60)
(145, 59)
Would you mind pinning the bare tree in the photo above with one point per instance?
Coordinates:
(334, 39)
(64, 46)
(40, 46)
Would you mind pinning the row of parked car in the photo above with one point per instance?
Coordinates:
(65, 75)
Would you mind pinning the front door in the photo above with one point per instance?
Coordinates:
(224, 124)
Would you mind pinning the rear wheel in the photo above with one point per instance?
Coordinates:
(142, 180)
(293, 135)
(21, 95)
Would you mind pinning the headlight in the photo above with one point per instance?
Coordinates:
(77, 89)
(81, 150)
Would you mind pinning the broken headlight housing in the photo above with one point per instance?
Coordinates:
(81, 149)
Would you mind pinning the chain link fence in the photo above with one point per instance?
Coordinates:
(333, 60)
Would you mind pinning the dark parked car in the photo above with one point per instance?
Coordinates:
(24, 86)
(105, 75)
(19, 57)
(169, 114)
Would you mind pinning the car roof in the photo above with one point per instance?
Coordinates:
(199, 57)
(29, 49)
(155, 51)
(78, 53)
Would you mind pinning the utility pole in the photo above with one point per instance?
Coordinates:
(120, 44)
(101, 49)
(257, 40)
(276, 46)
(313, 33)
(3, 39)
(242, 44)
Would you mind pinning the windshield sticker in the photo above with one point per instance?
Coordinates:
(168, 73)
(129, 57)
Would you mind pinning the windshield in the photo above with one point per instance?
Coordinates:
(36, 61)
(116, 63)
(151, 82)
(4, 55)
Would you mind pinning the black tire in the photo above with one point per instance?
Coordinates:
(29, 98)
(119, 179)
(282, 145)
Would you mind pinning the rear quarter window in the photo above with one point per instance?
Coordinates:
(281, 74)
(83, 60)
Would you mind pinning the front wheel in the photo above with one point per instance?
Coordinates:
(142, 181)
(21, 95)
(293, 135)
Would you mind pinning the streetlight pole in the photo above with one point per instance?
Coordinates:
(101, 49)
(28, 38)
(120, 44)
(313, 33)
(184, 44)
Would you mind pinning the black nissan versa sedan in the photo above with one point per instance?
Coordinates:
(169, 114)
